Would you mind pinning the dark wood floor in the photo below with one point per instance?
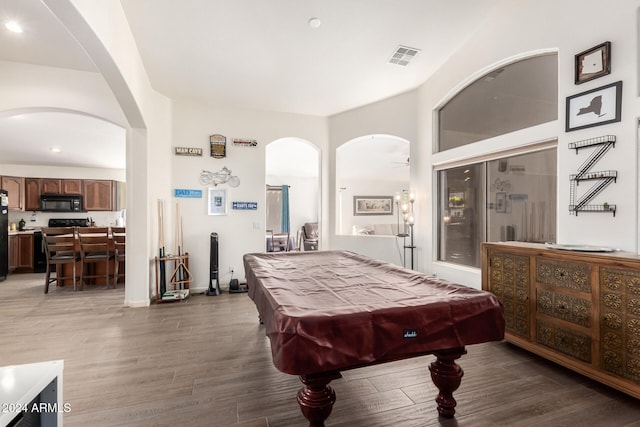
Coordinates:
(206, 362)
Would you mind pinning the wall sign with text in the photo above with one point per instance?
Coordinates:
(186, 193)
(188, 151)
(218, 145)
(244, 206)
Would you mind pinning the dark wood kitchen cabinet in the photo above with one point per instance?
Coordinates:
(32, 193)
(35, 187)
(99, 194)
(15, 187)
(61, 186)
(21, 253)
(13, 252)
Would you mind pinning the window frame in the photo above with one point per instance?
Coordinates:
(477, 152)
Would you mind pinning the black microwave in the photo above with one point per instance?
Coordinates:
(61, 203)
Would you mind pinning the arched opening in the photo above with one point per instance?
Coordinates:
(375, 168)
(104, 94)
(294, 163)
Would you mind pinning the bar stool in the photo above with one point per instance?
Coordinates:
(94, 249)
(60, 249)
(119, 237)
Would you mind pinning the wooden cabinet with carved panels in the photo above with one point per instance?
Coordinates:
(578, 309)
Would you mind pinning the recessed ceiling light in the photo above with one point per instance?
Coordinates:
(314, 23)
(55, 150)
(13, 26)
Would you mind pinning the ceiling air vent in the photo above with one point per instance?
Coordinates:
(403, 55)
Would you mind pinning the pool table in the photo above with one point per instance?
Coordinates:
(330, 311)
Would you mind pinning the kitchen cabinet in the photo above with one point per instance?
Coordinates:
(32, 192)
(15, 187)
(578, 309)
(13, 252)
(61, 186)
(21, 253)
(99, 194)
(35, 187)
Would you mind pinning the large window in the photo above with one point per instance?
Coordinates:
(512, 198)
(510, 98)
(505, 197)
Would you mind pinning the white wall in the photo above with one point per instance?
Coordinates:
(239, 232)
(513, 33)
(394, 116)
(516, 30)
(26, 86)
(352, 187)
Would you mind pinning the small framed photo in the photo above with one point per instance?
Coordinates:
(595, 107)
(501, 202)
(372, 205)
(593, 63)
(217, 202)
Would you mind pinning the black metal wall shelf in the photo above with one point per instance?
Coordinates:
(602, 178)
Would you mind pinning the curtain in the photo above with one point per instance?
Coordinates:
(285, 224)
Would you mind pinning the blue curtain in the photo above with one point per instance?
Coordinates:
(285, 225)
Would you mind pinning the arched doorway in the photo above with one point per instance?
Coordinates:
(370, 165)
(295, 163)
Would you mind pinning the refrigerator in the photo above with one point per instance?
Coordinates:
(4, 234)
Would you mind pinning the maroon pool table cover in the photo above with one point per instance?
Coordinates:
(337, 310)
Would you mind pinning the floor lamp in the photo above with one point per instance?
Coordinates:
(409, 218)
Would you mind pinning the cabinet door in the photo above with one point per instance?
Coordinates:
(32, 193)
(25, 251)
(71, 186)
(13, 252)
(509, 280)
(15, 187)
(620, 321)
(98, 194)
(51, 186)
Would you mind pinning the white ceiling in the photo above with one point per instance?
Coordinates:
(255, 54)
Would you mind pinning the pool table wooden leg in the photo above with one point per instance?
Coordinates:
(316, 398)
(447, 375)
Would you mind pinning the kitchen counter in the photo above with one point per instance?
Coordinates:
(26, 231)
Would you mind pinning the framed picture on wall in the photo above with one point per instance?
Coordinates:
(501, 202)
(372, 205)
(594, 107)
(217, 202)
(593, 63)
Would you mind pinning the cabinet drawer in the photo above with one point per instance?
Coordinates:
(564, 307)
(567, 275)
(566, 341)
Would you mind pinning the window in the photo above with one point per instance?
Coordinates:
(510, 98)
(508, 196)
(512, 198)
